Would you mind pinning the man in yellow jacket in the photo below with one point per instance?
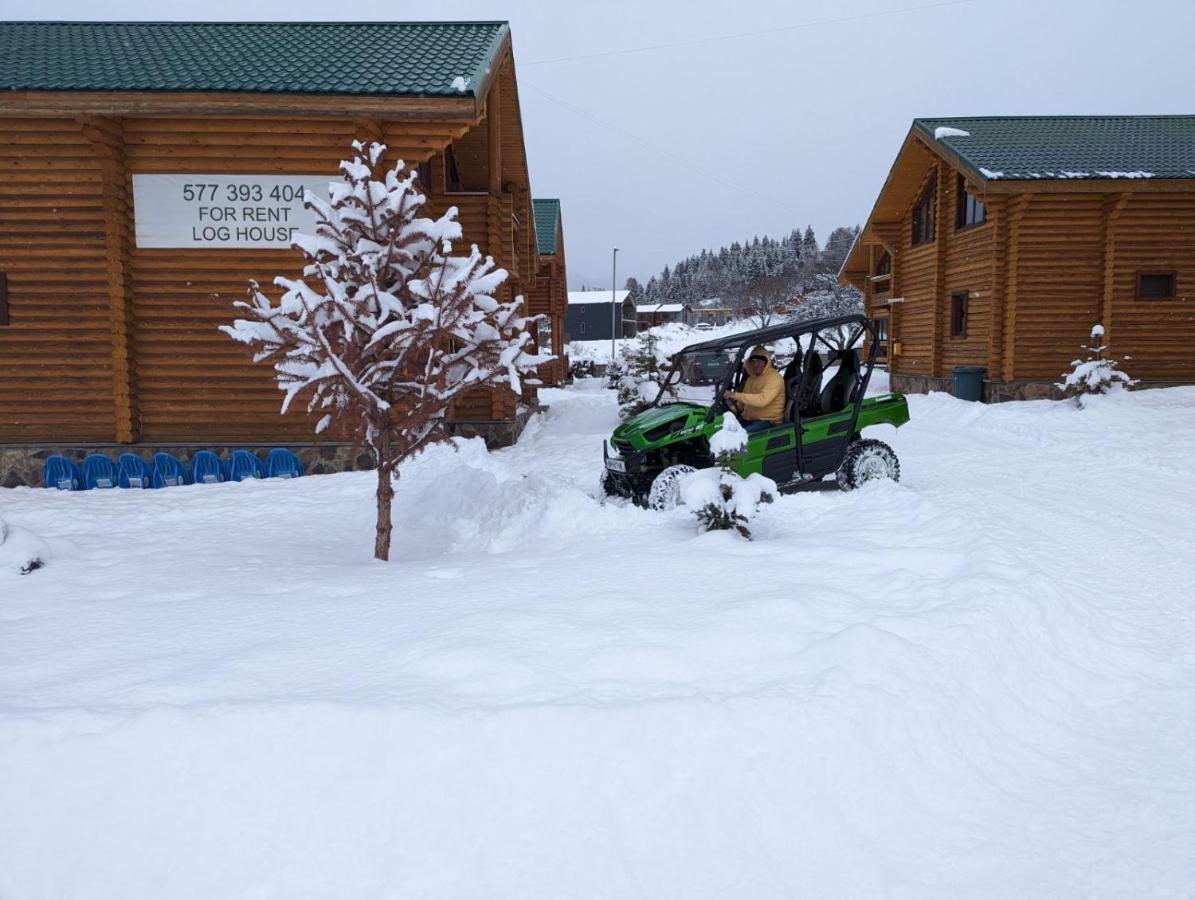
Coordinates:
(760, 403)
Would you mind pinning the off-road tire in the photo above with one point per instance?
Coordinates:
(665, 489)
(867, 460)
(602, 491)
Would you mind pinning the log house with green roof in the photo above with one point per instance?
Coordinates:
(108, 336)
(548, 296)
(1000, 242)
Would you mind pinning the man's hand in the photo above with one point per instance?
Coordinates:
(728, 395)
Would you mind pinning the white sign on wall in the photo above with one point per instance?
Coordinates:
(208, 211)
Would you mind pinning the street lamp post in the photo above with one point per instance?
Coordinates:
(615, 312)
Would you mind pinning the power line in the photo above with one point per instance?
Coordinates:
(746, 34)
(661, 151)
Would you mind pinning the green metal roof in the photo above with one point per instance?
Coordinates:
(1069, 147)
(387, 58)
(547, 222)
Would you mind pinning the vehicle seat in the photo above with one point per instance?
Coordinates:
(792, 381)
(838, 390)
(806, 401)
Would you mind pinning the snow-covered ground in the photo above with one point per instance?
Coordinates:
(977, 683)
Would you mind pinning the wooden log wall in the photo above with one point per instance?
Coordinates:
(110, 342)
(56, 358)
(1154, 232)
(967, 255)
(917, 312)
(1059, 282)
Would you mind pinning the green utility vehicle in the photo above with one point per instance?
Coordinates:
(825, 412)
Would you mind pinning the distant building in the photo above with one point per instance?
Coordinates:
(597, 316)
(712, 311)
(1000, 242)
(651, 314)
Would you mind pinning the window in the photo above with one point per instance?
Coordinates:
(881, 337)
(958, 314)
(1156, 286)
(923, 216)
(881, 278)
(581, 327)
(452, 174)
(971, 210)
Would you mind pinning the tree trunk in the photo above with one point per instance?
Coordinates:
(381, 547)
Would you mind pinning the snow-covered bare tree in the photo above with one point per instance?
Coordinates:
(764, 299)
(385, 328)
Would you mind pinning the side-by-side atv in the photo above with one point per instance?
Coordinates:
(825, 412)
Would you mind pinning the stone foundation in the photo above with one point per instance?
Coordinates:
(998, 391)
(22, 464)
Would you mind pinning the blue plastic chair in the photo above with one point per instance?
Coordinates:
(132, 471)
(206, 468)
(243, 465)
(62, 474)
(282, 463)
(168, 471)
(98, 472)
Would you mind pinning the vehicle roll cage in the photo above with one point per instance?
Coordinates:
(745, 340)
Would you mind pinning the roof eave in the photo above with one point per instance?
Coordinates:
(177, 103)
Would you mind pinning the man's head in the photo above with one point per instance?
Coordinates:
(757, 360)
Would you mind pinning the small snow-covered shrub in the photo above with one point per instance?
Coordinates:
(644, 367)
(21, 551)
(721, 499)
(1097, 374)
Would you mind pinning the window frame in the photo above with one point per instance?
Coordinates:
(958, 320)
(1172, 274)
(960, 207)
(924, 212)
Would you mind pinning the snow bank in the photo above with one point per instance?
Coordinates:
(959, 685)
(21, 551)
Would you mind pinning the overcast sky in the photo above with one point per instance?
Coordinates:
(666, 127)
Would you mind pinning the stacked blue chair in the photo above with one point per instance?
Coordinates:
(168, 471)
(245, 465)
(132, 471)
(282, 463)
(206, 468)
(98, 472)
(62, 474)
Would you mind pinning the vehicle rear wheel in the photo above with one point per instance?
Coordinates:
(867, 460)
(665, 489)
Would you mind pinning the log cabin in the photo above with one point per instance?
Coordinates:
(1000, 242)
(115, 270)
(548, 296)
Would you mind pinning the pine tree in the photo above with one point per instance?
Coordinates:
(385, 329)
(1097, 374)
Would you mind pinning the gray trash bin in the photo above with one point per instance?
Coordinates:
(968, 382)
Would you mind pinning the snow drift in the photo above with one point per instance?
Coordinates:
(977, 682)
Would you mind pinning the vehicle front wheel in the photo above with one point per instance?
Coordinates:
(867, 460)
(665, 489)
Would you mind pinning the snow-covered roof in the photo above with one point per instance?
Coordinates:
(1058, 148)
(578, 297)
(661, 307)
